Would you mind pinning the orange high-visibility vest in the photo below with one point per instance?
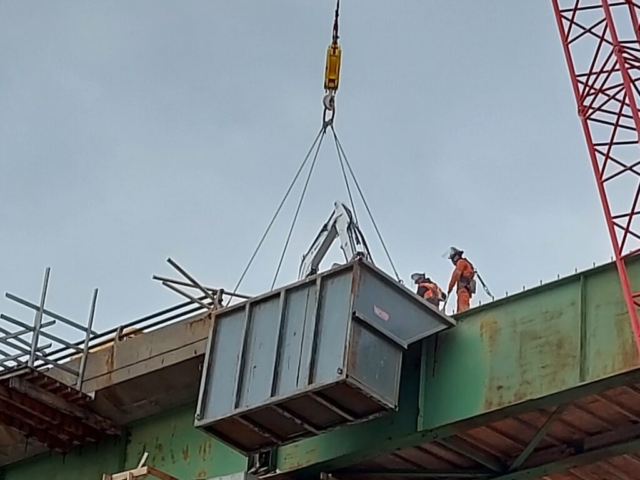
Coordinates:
(432, 291)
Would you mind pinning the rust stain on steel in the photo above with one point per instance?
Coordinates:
(185, 453)
(627, 351)
(159, 447)
(537, 359)
(202, 473)
(204, 449)
(296, 458)
(352, 345)
(489, 332)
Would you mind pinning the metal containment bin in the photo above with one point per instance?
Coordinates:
(311, 356)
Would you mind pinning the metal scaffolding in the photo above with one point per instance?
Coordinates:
(34, 344)
(26, 348)
(43, 371)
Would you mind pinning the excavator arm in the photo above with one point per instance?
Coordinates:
(340, 225)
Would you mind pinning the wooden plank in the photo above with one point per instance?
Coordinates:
(161, 475)
(139, 472)
(136, 473)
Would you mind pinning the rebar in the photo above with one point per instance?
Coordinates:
(38, 318)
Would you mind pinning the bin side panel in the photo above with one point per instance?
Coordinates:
(384, 305)
(333, 323)
(225, 355)
(260, 352)
(375, 361)
(299, 313)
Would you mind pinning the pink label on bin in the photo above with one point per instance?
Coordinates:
(381, 313)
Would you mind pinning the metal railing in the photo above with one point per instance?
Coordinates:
(25, 346)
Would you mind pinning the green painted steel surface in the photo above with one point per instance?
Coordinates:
(177, 448)
(531, 347)
(89, 463)
(551, 343)
(174, 446)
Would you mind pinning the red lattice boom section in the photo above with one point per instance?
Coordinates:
(602, 48)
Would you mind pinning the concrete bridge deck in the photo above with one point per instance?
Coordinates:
(542, 384)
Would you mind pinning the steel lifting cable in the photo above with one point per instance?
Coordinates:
(364, 201)
(273, 219)
(295, 217)
(346, 181)
(331, 86)
(335, 36)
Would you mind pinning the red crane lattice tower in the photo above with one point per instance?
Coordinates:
(601, 41)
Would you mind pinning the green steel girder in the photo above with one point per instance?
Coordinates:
(463, 448)
(538, 349)
(399, 431)
(173, 444)
(421, 473)
(599, 447)
(537, 438)
(538, 343)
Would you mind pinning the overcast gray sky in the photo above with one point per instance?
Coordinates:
(135, 131)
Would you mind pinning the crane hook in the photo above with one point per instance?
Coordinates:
(328, 101)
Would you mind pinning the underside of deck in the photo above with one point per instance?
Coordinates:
(596, 437)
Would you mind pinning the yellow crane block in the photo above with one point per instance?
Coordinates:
(332, 69)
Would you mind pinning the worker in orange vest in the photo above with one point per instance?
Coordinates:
(428, 289)
(463, 277)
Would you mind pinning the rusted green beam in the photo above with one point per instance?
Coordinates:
(538, 349)
(537, 438)
(605, 446)
(582, 312)
(342, 448)
(415, 473)
(463, 448)
(173, 444)
(537, 344)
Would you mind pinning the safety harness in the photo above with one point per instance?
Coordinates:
(467, 282)
(433, 293)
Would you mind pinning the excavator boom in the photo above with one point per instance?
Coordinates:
(340, 225)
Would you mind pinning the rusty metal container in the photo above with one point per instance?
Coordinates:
(309, 357)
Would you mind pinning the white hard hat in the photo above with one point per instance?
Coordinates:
(452, 252)
(417, 276)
